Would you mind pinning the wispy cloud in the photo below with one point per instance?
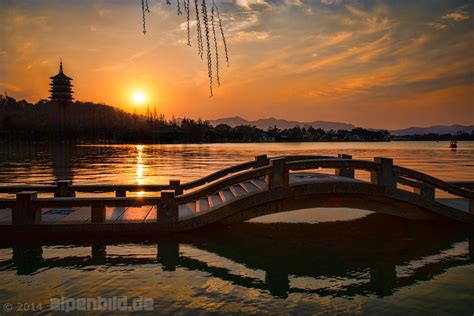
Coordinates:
(457, 15)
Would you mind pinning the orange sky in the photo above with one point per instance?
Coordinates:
(371, 63)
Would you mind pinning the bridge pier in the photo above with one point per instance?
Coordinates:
(167, 209)
(25, 212)
(168, 254)
(279, 177)
(383, 277)
(27, 260)
(277, 282)
(99, 253)
(385, 175)
(345, 172)
(63, 189)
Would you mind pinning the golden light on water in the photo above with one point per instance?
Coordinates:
(140, 167)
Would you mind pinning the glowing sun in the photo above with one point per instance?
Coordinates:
(139, 97)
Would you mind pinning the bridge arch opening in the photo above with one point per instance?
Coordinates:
(312, 215)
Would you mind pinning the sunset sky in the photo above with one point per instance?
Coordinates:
(379, 64)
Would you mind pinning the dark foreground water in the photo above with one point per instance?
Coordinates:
(326, 261)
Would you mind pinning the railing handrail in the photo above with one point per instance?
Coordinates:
(51, 188)
(218, 174)
(399, 171)
(462, 184)
(405, 176)
(332, 163)
(435, 182)
(224, 183)
(87, 201)
(104, 201)
(48, 188)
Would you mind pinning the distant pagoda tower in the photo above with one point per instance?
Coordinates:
(61, 87)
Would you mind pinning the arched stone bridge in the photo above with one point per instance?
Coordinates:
(252, 189)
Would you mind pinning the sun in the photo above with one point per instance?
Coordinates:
(139, 97)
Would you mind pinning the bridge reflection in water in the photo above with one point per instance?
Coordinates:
(378, 254)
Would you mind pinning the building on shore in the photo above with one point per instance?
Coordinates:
(61, 87)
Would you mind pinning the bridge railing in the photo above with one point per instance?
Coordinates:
(65, 188)
(27, 206)
(384, 172)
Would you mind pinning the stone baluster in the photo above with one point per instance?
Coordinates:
(167, 208)
(25, 212)
(175, 184)
(120, 193)
(385, 175)
(64, 189)
(425, 191)
(345, 172)
(279, 177)
(261, 160)
(98, 213)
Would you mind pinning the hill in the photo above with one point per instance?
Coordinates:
(281, 123)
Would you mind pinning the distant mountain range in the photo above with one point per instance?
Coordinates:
(437, 129)
(280, 123)
(284, 124)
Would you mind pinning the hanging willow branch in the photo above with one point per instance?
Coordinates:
(143, 16)
(216, 47)
(198, 29)
(209, 54)
(222, 34)
(187, 19)
(201, 19)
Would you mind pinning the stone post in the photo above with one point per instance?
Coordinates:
(25, 212)
(426, 192)
(120, 193)
(63, 189)
(279, 177)
(167, 208)
(261, 160)
(175, 184)
(98, 213)
(385, 175)
(345, 172)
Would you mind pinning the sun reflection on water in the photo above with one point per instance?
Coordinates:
(140, 166)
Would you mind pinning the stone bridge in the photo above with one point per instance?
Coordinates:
(238, 193)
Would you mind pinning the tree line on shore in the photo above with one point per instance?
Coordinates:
(84, 122)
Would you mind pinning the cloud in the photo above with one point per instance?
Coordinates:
(248, 3)
(438, 25)
(296, 3)
(331, 2)
(250, 36)
(457, 15)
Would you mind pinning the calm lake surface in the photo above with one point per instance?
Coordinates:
(316, 261)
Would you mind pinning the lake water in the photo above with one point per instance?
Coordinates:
(323, 261)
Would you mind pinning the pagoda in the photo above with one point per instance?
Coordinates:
(61, 87)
